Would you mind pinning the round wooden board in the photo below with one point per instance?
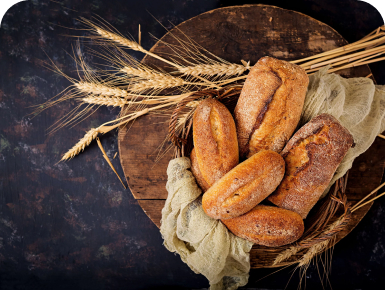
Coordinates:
(235, 33)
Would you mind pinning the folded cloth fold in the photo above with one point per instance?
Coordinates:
(357, 103)
(203, 243)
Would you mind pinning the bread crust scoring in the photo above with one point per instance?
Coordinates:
(244, 186)
(215, 140)
(267, 225)
(270, 105)
(312, 156)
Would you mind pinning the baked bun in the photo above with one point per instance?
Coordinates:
(215, 140)
(312, 156)
(267, 226)
(270, 105)
(245, 186)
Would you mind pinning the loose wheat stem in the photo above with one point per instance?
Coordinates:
(339, 51)
(359, 204)
(109, 161)
(337, 61)
(381, 136)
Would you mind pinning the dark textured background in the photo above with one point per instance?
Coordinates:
(71, 225)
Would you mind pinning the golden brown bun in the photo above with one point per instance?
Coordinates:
(312, 156)
(267, 225)
(244, 186)
(270, 105)
(197, 173)
(215, 140)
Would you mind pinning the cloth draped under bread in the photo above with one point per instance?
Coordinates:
(205, 244)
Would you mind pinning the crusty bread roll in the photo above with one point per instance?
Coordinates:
(270, 105)
(245, 186)
(312, 156)
(267, 225)
(215, 140)
(197, 173)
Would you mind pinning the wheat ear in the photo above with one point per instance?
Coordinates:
(102, 129)
(84, 142)
(119, 102)
(219, 69)
(128, 43)
(142, 73)
(312, 252)
(99, 89)
(119, 39)
(106, 101)
(286, 254)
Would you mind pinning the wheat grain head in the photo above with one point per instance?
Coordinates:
(84, 142)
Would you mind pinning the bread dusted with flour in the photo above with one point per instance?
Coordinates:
(270, 105)
(197, 173)
(312, 156)
(215, 141)
(267, 225)
(244, 186)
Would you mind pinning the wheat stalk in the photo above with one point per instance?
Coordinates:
(219, 69)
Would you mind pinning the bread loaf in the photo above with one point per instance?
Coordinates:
(312, 156)
(270, 105)
(267, 225)
(215, 140)
(197, 173)
(245, 186)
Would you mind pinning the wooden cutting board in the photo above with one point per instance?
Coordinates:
(235, 33)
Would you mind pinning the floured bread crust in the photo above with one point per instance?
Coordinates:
(267, 225)
(312, 156)
(270, 105)
(244, 186)
(197, 173)
(215, 140)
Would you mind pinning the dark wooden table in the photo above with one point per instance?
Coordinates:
(71, 225)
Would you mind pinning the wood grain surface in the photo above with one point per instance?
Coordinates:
(234, 33)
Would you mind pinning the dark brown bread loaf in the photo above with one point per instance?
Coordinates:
(312, 156)
(215, 140)
(267, 225)
(244, 186)
(270, 105)
(197, 173)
